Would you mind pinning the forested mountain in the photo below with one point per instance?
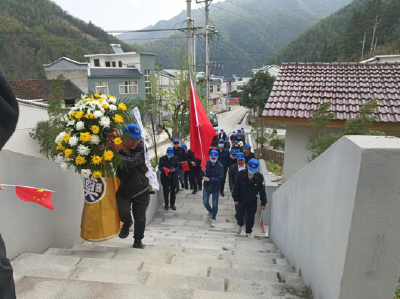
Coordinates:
(249, 31)
(340, 37)
(34, 32)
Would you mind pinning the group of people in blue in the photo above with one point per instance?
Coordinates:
(229, 156)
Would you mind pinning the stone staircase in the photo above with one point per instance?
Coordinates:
(184, 258)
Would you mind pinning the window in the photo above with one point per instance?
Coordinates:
(128, 87)
(113, 63)
(147, 74)
(102, 87)
(108, 64)
(97, 62)
(218, 88)
(120, 63)
(211, 88)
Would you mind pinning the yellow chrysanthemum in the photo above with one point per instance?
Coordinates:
(122, 106)
(79, 114)
(108, 155)
(70, 117)
(112, 97)
(68, 152)
(85, 137)
(118, 118)
(117, 141)
(105, 106)
(80, 160)
(66, 137)
(96, 174)
(59, 146)
(96, 160)
(96, 95)
(95, 129)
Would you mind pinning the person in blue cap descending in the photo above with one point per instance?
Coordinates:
(222, 134)
(243, 134)
(133, 193)
(249, 183)
(223, 158)
(236, 146)
(235, 169)
(214, 143)
(196, 175)
(233, 136)
(233, 158)
(168, 181)
(182, 157)
(248, 155)
(187, 181)
(227, 143)
(214, 173)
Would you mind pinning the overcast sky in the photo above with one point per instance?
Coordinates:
(124, 14)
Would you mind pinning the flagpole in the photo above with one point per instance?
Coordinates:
(7, 185)
(197, 119)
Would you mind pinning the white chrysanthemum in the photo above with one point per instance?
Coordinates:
(112, 107)
(98, 114)
(73, 141)
(94, 139)
(60, 137)
(64, 166)
(105, 122)
(111, 100)
(83, 150)
(71, 123)
(104, 103)
(83, 97)
(80, 125)
(60, 158)
(86, 173)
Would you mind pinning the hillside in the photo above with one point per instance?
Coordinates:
(246, 38)
(34, 32)
(340, 37)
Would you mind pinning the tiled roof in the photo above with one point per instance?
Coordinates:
(40, 89)
(301, 87)
(33, 103)
(66, 59)
(114, 72)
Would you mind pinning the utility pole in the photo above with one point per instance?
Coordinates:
(373, 35)
(189, 34)
(363, 46)
(207, 10)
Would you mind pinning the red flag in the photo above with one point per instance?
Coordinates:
(185, 166)
(261, 222)
(201, 130)
(39, 196)
(166, 170)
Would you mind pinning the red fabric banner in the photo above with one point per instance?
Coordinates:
(185, 166)
(166, 170)
(39, 196)
(201, 129)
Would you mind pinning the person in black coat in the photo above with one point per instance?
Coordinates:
(249, 183)
(180, 153)
(223, 158)
(248, 155)
(214, 174)
(236, 146)
(196, 175)
(187, 181)
(133, 193)
(235, 169)
(227, 143)
(9, 113)
(170, 161)
(233, 136)
(214, 142)
(222, 134)
(232, 159)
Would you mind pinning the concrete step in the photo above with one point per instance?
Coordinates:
(196, 261)
(41, 288)
(266, 275)
(183, 270)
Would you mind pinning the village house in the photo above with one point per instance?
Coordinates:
(273, 70)
(301, 87)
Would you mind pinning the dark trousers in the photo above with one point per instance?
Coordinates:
(169, 191)
(196, 175)
(223, 180)
(186, 179)
(138, 206)
(7, 288)
(181, 178)
(247, 210)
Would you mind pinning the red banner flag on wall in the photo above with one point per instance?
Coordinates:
(201, 129)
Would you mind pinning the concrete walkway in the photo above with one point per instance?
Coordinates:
(184, 258)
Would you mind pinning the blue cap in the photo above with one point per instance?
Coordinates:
(227, 137)
(234, 132)
(239, 135)
(221, 141)
(175, 140)
(253, 165)
(216, 130)
(214, 154)
(134, 131)
(170, 151)
(233, 152)
(247, 146)
(184, 146)
(239, 131)
(222, 130)
(240, 156)
(243, 129)
(236, 141)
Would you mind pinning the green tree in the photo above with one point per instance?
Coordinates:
(257, 91)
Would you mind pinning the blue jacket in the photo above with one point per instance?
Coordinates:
(215, 174)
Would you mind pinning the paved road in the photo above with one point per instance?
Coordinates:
(229, 121)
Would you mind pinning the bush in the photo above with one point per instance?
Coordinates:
(154, 162)
(277, 144)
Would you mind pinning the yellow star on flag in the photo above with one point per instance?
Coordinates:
(41, 190)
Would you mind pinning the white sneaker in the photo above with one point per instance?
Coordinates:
(239, 229)
(250, 235)
(209, 216)
(213, 223)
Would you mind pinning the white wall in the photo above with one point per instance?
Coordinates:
(28, 227)
(20, 141)
(328, 217)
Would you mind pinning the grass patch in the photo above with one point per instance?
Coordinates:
(275, 168)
